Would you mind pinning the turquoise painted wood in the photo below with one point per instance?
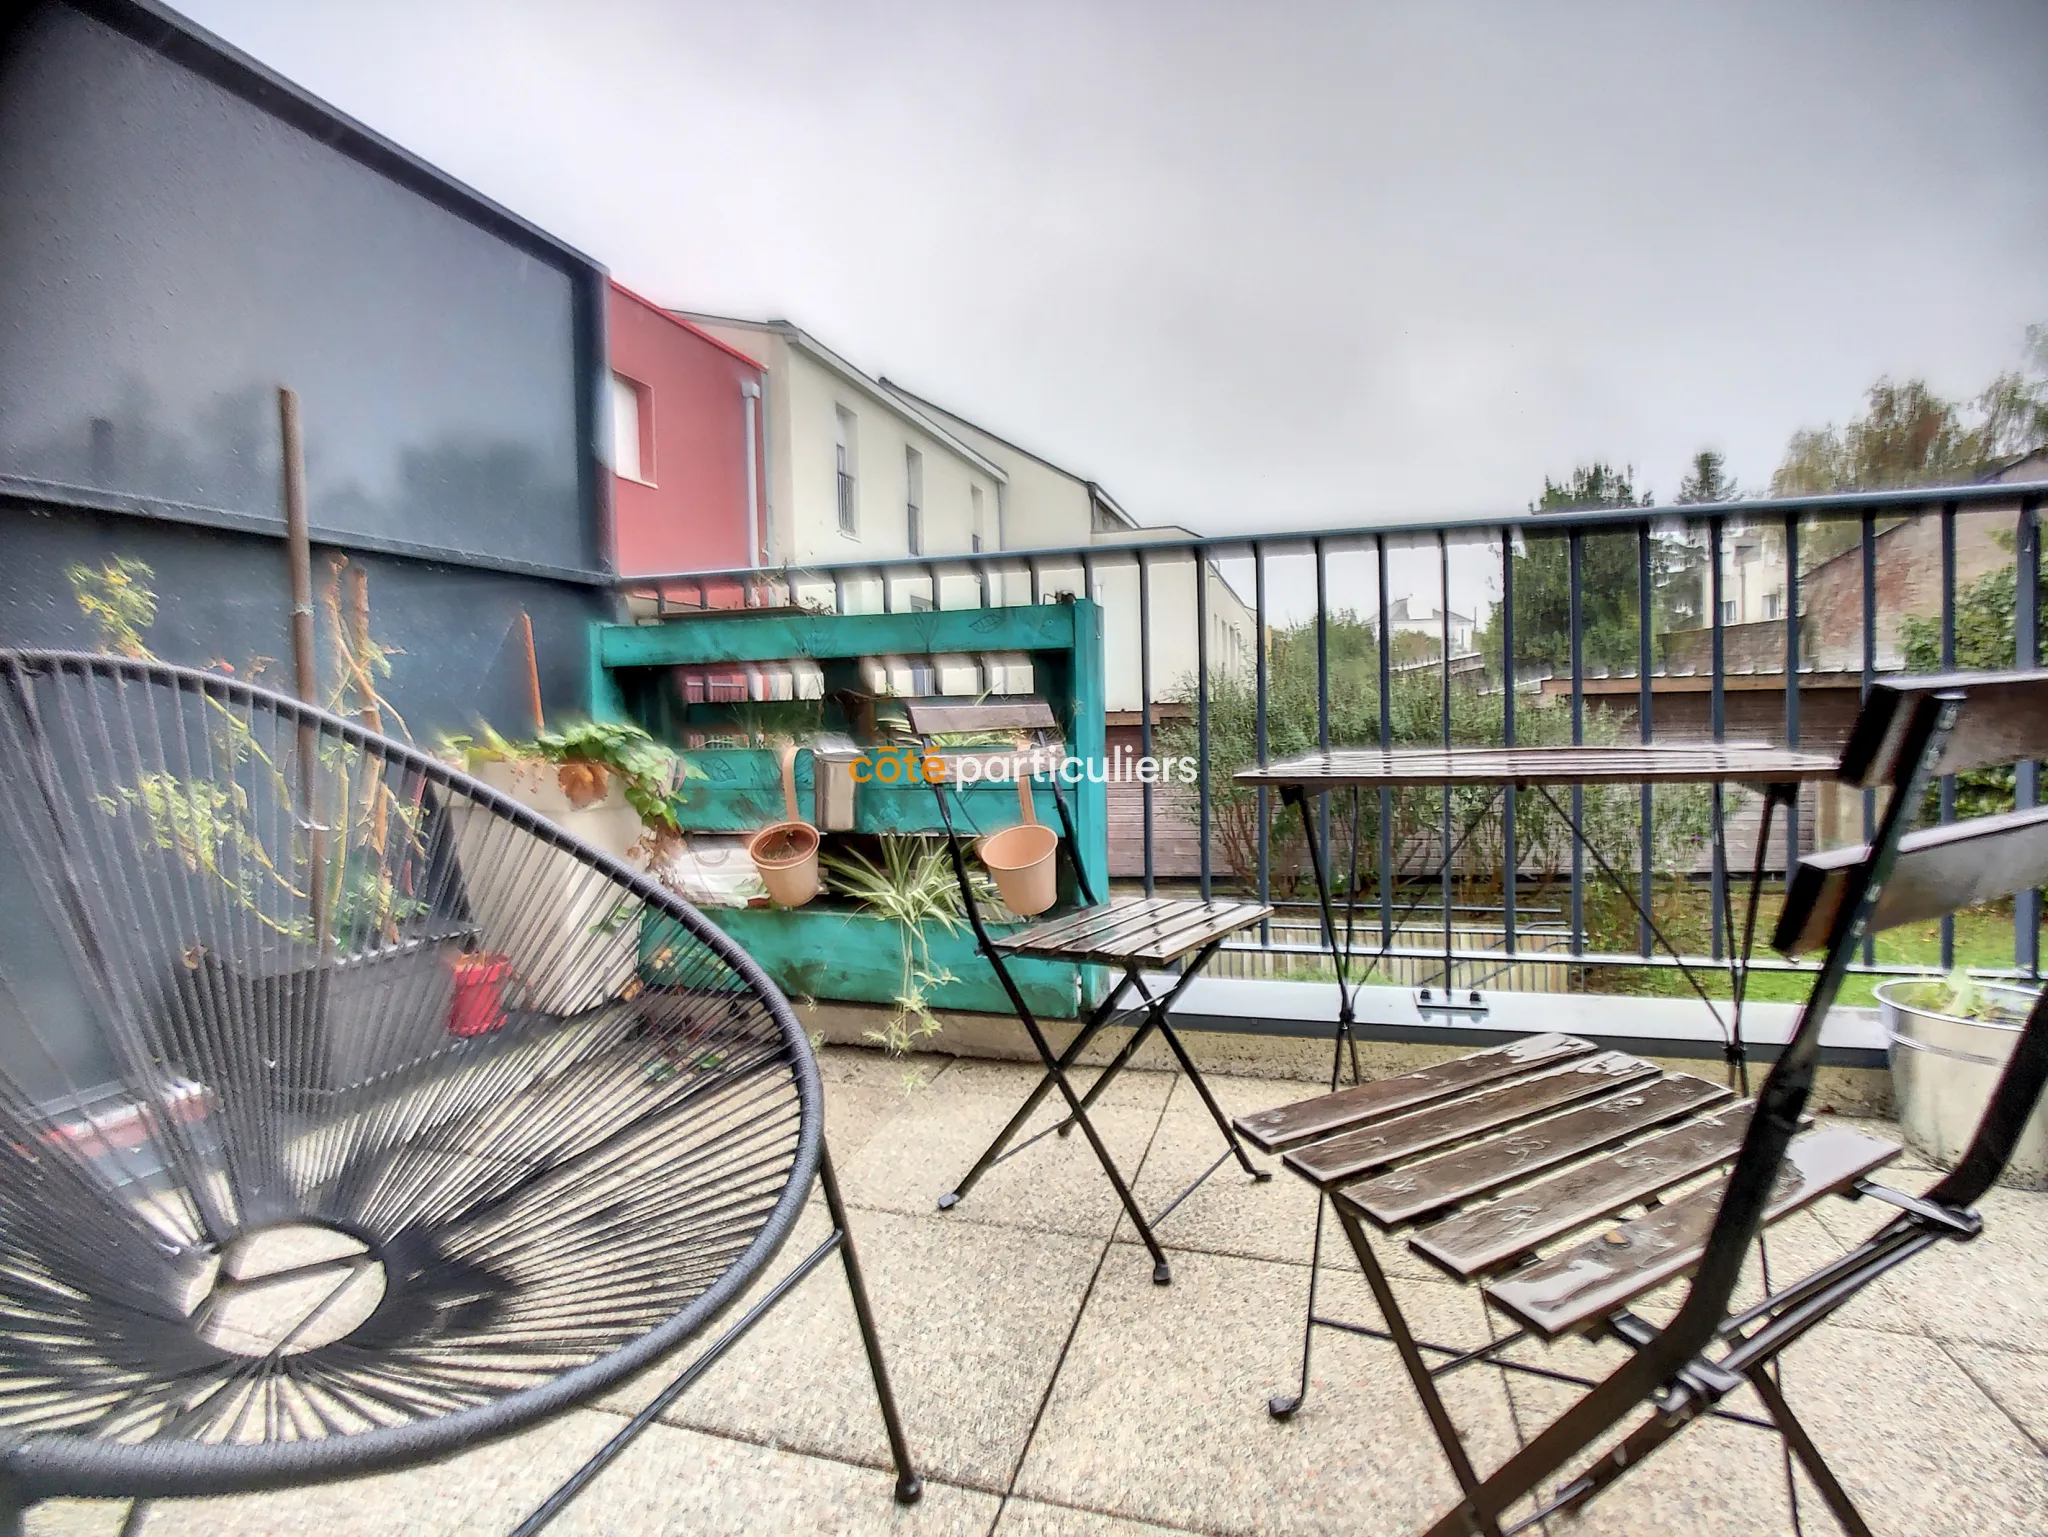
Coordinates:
(819, 952)
(780, 637)
(740, 791)
(828, 952)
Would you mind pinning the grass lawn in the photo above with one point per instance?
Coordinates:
(1984, 939)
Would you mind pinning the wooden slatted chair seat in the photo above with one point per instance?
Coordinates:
(1150, 931)
(1567, 1182)
(1549, 1139)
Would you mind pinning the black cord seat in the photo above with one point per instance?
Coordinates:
(338, 1128)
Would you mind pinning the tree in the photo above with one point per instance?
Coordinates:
(1541, 566)
(1987, 638)
(2015, 404)
(1708, 480)
(1910, 436)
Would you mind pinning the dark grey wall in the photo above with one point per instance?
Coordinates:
(223, 597)
(173, 251)
(181, 232)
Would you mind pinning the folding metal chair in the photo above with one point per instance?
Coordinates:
(1483, 1161)
(1135, 935)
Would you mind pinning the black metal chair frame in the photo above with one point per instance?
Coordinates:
(1284, 1406)
(1686, 1369)
(47, 1464)
(1156, 1010)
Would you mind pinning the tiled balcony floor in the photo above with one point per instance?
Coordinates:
(1050, 1388)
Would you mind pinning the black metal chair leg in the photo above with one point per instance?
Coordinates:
(1108, 1075)
(1209, 1100)
(909, 1487)
(1283, 1406)
(1104, 1011)
(1831, 1490)
(1453, 1445)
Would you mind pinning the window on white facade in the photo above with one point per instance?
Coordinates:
(1771, 602)
(975, 540)
(628, 425)
(845, 453)
(1727, 611)
(913, 499)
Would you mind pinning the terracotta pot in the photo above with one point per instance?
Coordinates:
(786, 852)
(1021, 858)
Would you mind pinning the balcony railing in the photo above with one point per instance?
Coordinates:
(1732, 621)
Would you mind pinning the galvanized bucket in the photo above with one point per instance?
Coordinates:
(1944, 1069)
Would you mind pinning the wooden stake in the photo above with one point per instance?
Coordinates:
(298, 545)
(532, 671)
(299, 559)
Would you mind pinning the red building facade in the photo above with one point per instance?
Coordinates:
(689, 472)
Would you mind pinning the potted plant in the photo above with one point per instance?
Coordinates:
(913, 886)
(1949, 1040)
(608, 784)
(340, 922)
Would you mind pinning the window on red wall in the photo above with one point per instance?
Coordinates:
(632, 430)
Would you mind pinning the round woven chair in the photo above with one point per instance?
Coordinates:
(350, 1113)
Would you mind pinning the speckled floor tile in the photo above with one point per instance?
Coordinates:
(1133, 1089)
(1159, 1413)
(972, 1319)
(2016, 1380)
(1055, 1185)
(1030, 1518)
(669, 1481)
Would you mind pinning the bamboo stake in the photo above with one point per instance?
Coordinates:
(299, 559)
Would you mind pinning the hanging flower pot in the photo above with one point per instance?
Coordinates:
(786, 852)
(1021, 858)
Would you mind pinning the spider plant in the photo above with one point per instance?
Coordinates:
(914, 886)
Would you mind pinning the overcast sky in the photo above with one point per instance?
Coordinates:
(1273, 266)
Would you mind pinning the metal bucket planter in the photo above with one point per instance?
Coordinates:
(1944, 1069)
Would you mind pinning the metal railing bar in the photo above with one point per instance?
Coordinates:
(1869, 569)
(1717, 720)
(2026, 907)
(1645, 697)
(1590, 520)
(1948, 663)
(1510, 859)
(1575, 577)
(1385, 863)
(1145, 704)
(1443, 556)
(1201, 578)
(1259, 730)
(1792, 622)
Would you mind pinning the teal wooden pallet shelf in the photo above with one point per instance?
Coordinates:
(825, 952)
(740, 791)
(856, 957)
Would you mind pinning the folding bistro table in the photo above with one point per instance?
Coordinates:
(1776, 772)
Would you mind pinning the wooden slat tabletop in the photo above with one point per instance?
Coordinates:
(1701, 763)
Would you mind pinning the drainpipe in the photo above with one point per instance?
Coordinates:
(750, 398)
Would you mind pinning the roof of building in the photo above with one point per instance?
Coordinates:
(676, 319)
(1399, 610)
(1100, 497)
(809, 345)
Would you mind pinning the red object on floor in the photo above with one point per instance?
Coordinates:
(479, 1004)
